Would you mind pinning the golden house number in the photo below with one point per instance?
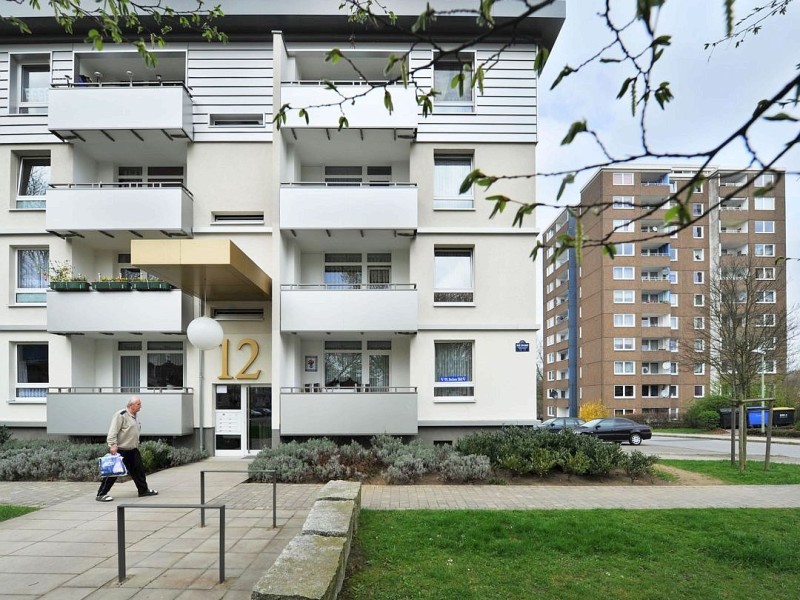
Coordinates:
(242, 373)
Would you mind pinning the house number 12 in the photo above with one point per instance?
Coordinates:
(242, 373)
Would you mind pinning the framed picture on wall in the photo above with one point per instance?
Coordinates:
(311, 364)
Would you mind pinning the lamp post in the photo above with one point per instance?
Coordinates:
(763, 368)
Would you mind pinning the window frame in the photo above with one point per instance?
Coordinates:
(622, 178)
(24, 201)
(624, 344)
(37, 291)
(30, 63)
(440, 293)
(764, 226)
(457, 201)
(467, 384)
(14, 398)
(764, 250)
(452, 65)
(623, 270)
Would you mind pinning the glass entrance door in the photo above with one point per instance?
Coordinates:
(243, 419)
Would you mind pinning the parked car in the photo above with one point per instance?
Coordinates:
(616, 429)
(560, 423)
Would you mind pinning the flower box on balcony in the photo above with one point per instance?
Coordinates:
(150, 285)
(111, 286)
(69, 286)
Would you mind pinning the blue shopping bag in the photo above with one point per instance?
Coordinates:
(111, 465)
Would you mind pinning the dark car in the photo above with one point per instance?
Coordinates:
(616, 429)
(560, 423)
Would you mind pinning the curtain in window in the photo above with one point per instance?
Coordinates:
(342, 369)
(164, 369)
(379, 372)
(344, 276)
(32, 368)
(129, 373)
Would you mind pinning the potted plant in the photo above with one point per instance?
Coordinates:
(63, 278)
(150, 284)
(111, 284)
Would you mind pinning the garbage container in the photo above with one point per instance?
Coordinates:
(725, 417)
(757, 416)
(782, 416)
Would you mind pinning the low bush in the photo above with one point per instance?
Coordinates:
(456, 468)
(404, 469)
(638, 465)
(707, 419)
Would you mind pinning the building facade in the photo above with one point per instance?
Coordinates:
(359, 292)
(634, 330)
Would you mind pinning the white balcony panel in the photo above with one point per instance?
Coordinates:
(349, 310)
(348, 413)
(82, 411)
(167, 108)
(140, 311)
(307, 206)
(109, 208)
(367, 111)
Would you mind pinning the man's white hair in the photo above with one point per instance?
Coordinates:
(133, 399)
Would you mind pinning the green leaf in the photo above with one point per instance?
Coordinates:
(624, 87)
(387, 101)
(343, 122)
(333, 56)
(663, 94)
(574, 129)
(303, 113)
(500, 202)
(564, 73)
(781, 116)
(541, 58)
(567, 180)
(469, 180)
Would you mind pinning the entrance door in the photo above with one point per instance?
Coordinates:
(379, 372)
(243, 419)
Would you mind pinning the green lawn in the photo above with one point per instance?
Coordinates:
(586, 555)
(9, 511)
(778, 474)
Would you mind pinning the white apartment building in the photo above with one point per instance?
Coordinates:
(357, 290)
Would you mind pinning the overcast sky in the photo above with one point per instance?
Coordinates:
(714, 93)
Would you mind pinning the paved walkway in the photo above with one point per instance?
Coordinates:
(68, 549)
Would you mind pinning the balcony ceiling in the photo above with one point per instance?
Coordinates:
(359, 146)
(207, 269)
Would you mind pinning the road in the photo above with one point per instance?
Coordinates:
(716, 447)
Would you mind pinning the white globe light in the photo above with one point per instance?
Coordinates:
(204, 333)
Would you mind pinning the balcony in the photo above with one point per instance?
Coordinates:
(96, 313)
(363, 106)
(87, 410)
(120, 111)
(108, 210)
(366, 206)
(348, 412)
(316, 308)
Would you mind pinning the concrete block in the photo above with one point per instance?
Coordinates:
(331, 519)
(311, 567)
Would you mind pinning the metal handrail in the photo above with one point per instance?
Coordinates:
(348, 286)
(365, 388)
(118, 84)
(118, 390)
(120, 185)
(121, 532)
(339, 82)
(348, 184)
(274, 491)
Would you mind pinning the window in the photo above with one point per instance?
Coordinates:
(674, 322)
(150, 176)
(453, 275)
(623, 296)
(31, 77)
(697, 209)
(449, 171)
(699, 391)
(697, 231)
(623, 391)
(699, 300)
(625, 343)
(624, 272)
(33, 374)
(622, 202)
(697, 254)
(765, 297)
(699, 368)
(623, 225)
(765, 320)
(626, 249)
(453, 370)
(32, 269)
(765, 273)
(699, 345)
(343, 270)
(622, 179)
(698, 277)
(456, 98)
(157, 364)
(34, 176)
(699, 323)
(673, 276)
(765, 226)
(765, 249)
(764, 203)
(237, 120)
(624, 320)
(765, 180)
(624, 367)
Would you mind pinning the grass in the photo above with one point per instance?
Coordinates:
(9, 511)
(778, 474)
(586, 555)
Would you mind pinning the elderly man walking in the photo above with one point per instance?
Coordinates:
(123, 437)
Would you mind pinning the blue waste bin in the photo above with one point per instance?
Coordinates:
(756, 416)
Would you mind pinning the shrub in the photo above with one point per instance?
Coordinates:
(603, 457)
(542, 461)
(574, 464)
(405, 469)
(5, 434)
(155, 455)
(593, 410)
(518, 465)
(387, 448)
(707, 419)
(289, 469)
(460, 469)
(637, 464)
(709, 403)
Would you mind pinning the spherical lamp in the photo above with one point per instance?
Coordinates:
(204, 333)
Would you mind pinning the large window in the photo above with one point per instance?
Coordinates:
(622, 178)
(32, 268)
(152, 365)
(150, 176)
(623, 272)
(33, 373)
(765, 226)
(449, 171)
(624, 320)
(453, 98)
(34, 177)
(765, 249)
(625, 343)
(453, 275)
(453, 370)
(347, 270)
(764, 203)
(31, 76)
(348, 366)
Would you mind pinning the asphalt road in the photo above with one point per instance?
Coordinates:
(716, 447)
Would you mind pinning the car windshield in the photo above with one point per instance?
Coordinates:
(592, 423)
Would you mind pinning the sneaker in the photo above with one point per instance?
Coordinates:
(105, 498)
(148, 493)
